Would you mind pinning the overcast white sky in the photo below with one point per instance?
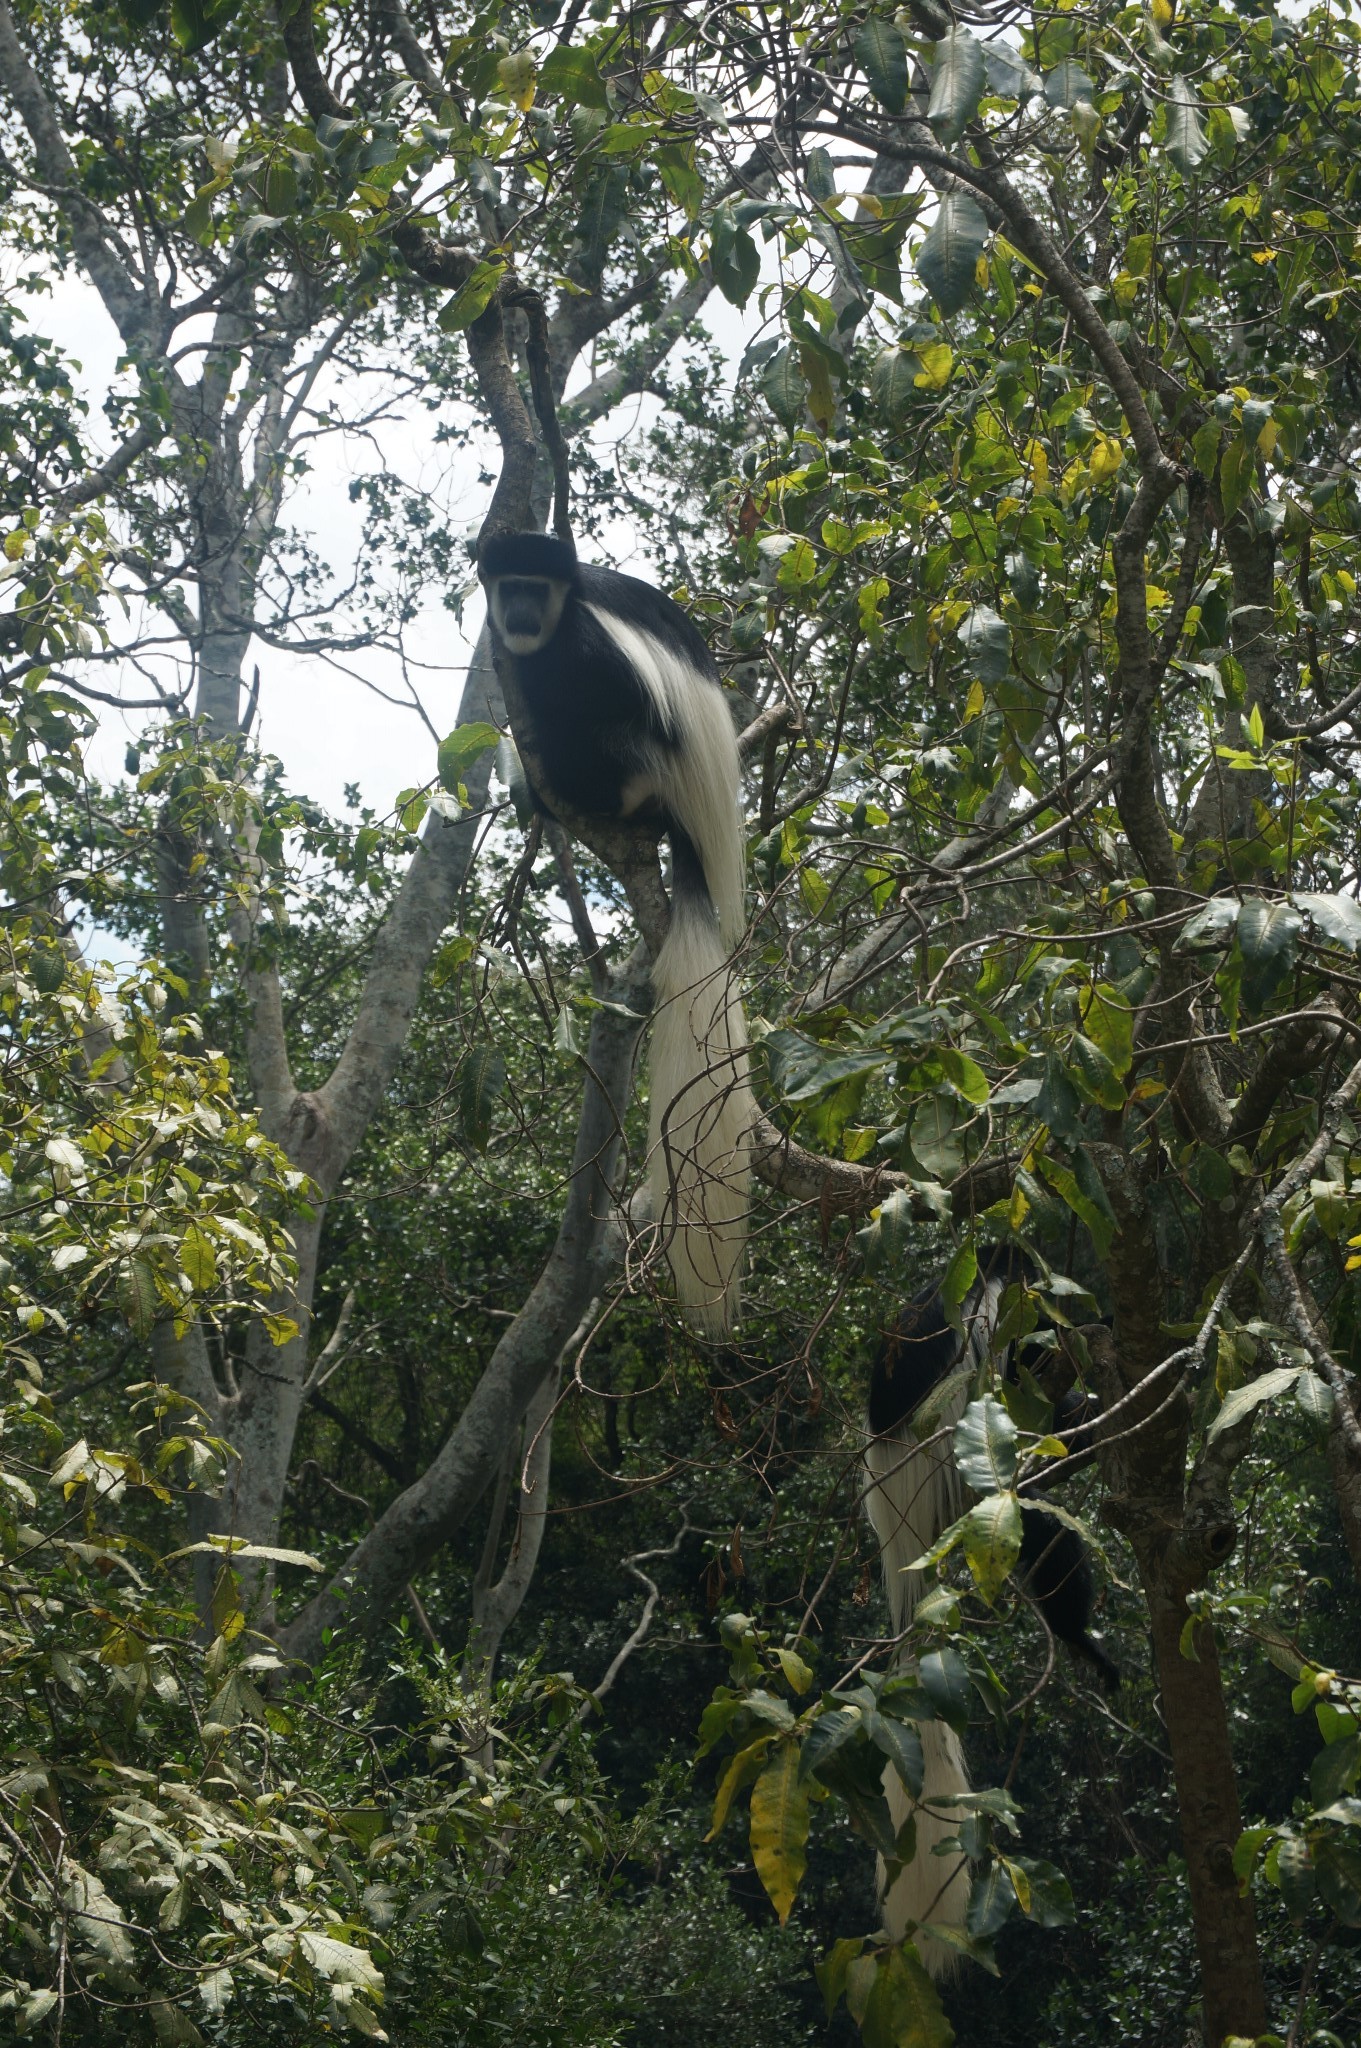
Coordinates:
(326, 727)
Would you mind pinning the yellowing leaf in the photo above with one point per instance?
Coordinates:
(738, 1771)
(1106, 457)
(779, 1828)
(936, 360)
(975, 702)
(1037, 462)
(516, 76)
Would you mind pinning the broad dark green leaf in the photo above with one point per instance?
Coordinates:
(991, 1901)
(733, 258)
(985, 1446)
(604, 206)
(957, 81)
(1210, 926)
(947, 261)
(986, 639)
(1335, 1770)
(945, 1680)
(1337, 917)
(828, 1735)
(1051, 1896)
(571, 75)
(881, 54)
(194, 23)
(784, 389)
(1067, 84)
(1186, 144)
(893, 381)
(901, 1744)
(1009, 76)
(1267, 937)
(1338, 1870)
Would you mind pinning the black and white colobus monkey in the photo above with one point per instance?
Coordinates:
(628, 720)
(915, 1493)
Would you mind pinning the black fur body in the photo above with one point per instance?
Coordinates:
(628, 720)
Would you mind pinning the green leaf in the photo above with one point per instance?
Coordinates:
(1067, 85)
(881, 54)
(1050, 1903)
(1316, 1398)
(798, 1676)
(986, 639)
(902, 1745)
(935, 1136)
(1236, 472)
(462, 747)
(1337, 917)
(473, 296)
(483, 1078)
(957, 83)
(733, 257)
(604, 208)
(893, 381)
(1094, 1072)
(1294, 1872)
(198, 1259)
(991, 1901)
(985, 1446)
(411, 807)
(903, 2008)
(1009, 76)
(194, 23)
(1186, 144)
(992, 1542)
(830, 1972)
(784, 389)
(945, 1680)
(572, 75)
(1209, 927)
(1267, 938)
(828, 1735)
(947, 260)
(1108, 1020)
(1338, 1868)
(1334, 1770)
(1241, 1401)
(890, 1232)
(779, 1828)
(137, 1295)
(737, 1772)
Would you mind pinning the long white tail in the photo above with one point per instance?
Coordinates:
(915, 1494)
(701, 1113)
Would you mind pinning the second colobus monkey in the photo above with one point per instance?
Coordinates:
(915, 1494)
(628, 721)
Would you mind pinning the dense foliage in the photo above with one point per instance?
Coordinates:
(349, 1434)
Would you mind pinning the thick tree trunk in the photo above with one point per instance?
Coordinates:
(1234, 1999)
(422, 1519)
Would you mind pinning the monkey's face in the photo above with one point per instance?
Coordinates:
(525, 610)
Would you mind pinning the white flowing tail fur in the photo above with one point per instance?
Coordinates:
(916, 1493)
(699, 1138)
(701, 1114)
